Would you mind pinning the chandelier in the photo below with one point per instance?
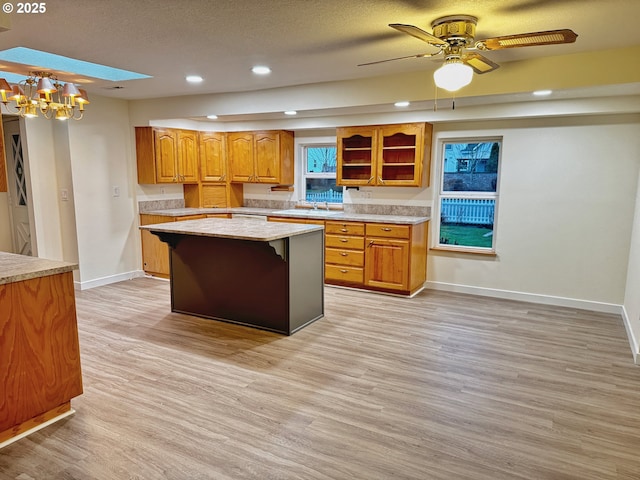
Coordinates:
(42, 94)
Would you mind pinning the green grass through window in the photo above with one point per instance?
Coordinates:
(466, 236)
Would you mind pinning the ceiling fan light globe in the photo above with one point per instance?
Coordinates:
(453, 76)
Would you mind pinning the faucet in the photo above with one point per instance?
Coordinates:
(315, 205)
(326, 204)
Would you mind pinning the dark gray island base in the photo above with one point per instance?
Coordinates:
(260, 274)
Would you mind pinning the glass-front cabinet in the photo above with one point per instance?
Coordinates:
(384, 155)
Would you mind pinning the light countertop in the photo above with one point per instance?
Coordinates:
(319, 214)
(16, 268)
(239, 229)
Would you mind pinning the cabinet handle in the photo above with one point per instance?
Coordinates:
(223, 177)
(344, 254)
(381, 180)
(370, 243)
(370, 180)
(386, 229)
(344, 229)
(344, 240)
(344, 271)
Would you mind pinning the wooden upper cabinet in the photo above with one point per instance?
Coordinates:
(356, 155)
(188, 157)
(240, 155)
(384, 155)
(213, 157)
(165, 148)
(267, 153)
(166, 155)
(261, 157)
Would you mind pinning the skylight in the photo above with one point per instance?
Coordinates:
(51, 61)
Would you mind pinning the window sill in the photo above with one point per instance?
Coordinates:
(475, 251)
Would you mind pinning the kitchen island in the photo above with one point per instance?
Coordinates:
(255, 273)
(39, 350)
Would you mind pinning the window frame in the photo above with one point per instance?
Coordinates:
(317, 175)
(478, 195)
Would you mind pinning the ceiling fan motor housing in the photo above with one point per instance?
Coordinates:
(456, 30)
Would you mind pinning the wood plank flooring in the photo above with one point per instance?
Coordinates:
(441, 386)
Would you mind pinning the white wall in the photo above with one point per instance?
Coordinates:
(6, 244)
(565, 213)
(631, 307)
(102, 156)
(39, 150)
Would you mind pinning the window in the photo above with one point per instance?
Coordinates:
(320, 174)
(468, 195)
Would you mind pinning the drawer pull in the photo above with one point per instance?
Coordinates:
(344, 240)
(386, 229)
(344, 271)
(344, 254)
(344, 229)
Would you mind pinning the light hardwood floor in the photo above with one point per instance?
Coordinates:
(441, 386)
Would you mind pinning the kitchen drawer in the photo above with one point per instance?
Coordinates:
(344, 241)
(344, 274)
(352, 258)
(388, 230)
(344, 228)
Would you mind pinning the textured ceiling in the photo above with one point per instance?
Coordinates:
(303, 41)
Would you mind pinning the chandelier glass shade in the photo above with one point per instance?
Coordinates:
(41, 94)
(453, 75)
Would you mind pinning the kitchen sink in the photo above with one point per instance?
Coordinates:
(307, 212)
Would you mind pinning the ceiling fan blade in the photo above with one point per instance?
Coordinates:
(418, 33)
(479, 63)
(421, 55)
(550, 37)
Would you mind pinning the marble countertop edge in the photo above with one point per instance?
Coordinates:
(17, 268)
(233, 229)
(299, 213)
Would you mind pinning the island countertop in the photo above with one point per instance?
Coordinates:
(239, 229)
(15, 268)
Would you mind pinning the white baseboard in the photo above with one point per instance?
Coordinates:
(633, 343)
(528, 297)
(99, 282)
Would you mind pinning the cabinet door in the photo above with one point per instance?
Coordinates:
(240, 155)
(155, 253)
(165, 149)
(400, 155)
(356, 155)
(213, 158)
(387, 264)
(267, 157)
(187, 156)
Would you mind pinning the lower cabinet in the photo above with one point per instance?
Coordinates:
(155, 254)
(374, 256)
(387, 264)
(344, 253)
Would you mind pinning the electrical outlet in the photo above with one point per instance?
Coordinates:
(116, 191)
(64, 194)
(162, 190)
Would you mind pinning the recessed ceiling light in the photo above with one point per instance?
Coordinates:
(290, 112)
(194, 78)
(261, 70)
(542, 93)
(402, 104)
(212, 117)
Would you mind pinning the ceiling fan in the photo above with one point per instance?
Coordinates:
(454, 37)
